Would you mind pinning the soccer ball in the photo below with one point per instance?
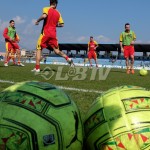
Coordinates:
(119, 119)
(143, 72)
(38, 116)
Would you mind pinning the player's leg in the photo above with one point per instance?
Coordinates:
(17, 49)
(95, 58)
(132, 64)
(126, 56)
(85, 61)
(6, 54)
(96, 62)
(90, 58)
(13, 59)
(40, 45)
(9, 56)
(19, 58)
(6, 59)
(60, 53)
(38, 59)
(18, 55)
(132, 59)
(90, 61)
(53, 42)
(13, 52)
(127, 65)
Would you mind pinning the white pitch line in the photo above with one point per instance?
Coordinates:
(5, 81)
(61, 87)
(81, 90)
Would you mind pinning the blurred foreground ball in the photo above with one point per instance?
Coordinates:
(143, 72)
(119, 120)
(38, 116)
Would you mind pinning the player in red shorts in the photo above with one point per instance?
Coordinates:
(127, 40)
(52, 19)
(12, 40)
(92, 45)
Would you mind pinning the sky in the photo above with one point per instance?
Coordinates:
(103, 19)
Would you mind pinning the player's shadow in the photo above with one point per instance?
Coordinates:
(54, 70)
(118, 71)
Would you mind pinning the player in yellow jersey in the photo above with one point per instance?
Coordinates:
(127, 40)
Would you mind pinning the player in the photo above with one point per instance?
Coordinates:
(52, 19)
(12, 40)
(92, 45)
(127, 40)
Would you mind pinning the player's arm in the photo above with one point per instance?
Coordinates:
(17, 38)
(134, 39)
(5, 34)
(43, 16)
(60, 25)
(60, 22)
(88, 47)
(96, 45)
(121, 45)
(40, 19)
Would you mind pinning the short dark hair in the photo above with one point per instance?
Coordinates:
(127, 24)
(11, 21)
(53, 2)
(91, 36)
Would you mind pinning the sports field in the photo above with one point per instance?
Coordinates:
(82, 88)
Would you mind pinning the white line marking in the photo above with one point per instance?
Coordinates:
(61, 87)
(5, 81)
(81, 90)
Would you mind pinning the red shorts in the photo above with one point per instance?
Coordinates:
(11, 46)
(92, 54)
(45, 42)
(128, 51)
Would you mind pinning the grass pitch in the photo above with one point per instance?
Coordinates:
(69, 78)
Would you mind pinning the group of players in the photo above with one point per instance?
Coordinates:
(51, 20)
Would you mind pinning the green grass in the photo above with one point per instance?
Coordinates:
(116, 77)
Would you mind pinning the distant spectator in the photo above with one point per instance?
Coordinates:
(1, 57)
(45, 60)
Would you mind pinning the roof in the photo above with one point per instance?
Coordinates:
(103, 47)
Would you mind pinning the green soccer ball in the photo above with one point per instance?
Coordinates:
(143, 72)
(38, 116)
(119, 119)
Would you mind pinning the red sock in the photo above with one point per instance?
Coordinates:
(37, 67)
(14, 61)
(18, 62)
(67, 58)
(8, 59)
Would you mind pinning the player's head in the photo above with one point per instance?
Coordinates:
(91, 38)
(54, 2)
(127, 27)
(12, 23)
